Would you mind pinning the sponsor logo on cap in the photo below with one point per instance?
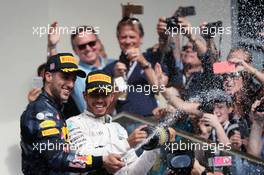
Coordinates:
(99, 77)
(68, 59)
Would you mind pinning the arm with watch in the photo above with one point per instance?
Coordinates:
(149, 72)
(134, 54)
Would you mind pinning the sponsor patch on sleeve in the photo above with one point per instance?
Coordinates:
(88, 160)
(49, 132)
(40, 116)
(47, 124)
(43, 115)
(64, 134)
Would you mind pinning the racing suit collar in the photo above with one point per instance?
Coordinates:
(55, 103)
(104, 119)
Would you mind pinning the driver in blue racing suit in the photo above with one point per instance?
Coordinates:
(44, 135)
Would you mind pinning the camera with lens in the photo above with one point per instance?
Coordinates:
(212, 28)
(181, 12)
(180, 162)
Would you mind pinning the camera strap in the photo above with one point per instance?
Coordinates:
(214, 136)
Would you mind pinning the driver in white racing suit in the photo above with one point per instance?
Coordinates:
(93, 132)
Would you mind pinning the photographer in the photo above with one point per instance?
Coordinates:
(219, 129)
(194, 66)
(241, 86)
(174, 58)
(244, 61)
(210, 43)
(183, 27)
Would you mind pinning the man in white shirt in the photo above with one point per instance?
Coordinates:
(93, 131)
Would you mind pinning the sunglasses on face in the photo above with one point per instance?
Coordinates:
(233, 75)
(90, 44)
(130, 19)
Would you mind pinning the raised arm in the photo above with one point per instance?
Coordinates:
(134, 54)
(53, 39)
(172, 96)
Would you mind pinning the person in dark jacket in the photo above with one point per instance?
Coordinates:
(44, 135)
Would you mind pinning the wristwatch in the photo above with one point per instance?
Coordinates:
(146, 66)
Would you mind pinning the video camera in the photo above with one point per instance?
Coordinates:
(181, 12)
(180, 162)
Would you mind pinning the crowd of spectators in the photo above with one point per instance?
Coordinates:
(220, 99)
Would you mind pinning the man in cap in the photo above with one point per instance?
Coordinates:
(44, 136)
(86, 45)
(94, 132)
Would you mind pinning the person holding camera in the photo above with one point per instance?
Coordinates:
(243, 59)
(196, 58)
(255, 143)
(175, 59)
(216, 126)
(241, 86)
(220, 127)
